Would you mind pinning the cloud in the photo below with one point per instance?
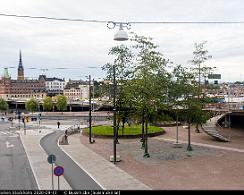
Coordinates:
(49, 44)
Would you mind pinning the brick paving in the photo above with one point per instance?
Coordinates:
(174, 168)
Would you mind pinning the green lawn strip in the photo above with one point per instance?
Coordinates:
(132, 130)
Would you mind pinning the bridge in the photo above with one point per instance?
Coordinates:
(71, 105)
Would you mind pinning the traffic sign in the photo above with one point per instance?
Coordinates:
(58, 171)
(51, 158)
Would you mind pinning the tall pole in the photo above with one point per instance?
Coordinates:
(90, 117)
(58, 183)
(114, 112)
(52, 175)
(146, 154)
(189, 148)
(177, 128)
(143, 133)
(229, 121)
(199, 92)
(93, 92)
(93, 100)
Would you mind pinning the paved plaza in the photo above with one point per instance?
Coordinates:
(169, 168)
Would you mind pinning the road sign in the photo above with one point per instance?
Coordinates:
(58, 171)
(214, 76)
(51, 158)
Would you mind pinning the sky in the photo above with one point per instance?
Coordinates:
(48, 44)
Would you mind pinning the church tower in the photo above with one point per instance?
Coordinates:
(20, 68)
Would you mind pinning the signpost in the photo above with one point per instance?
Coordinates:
(58, 171)
(39, 122)
(51, 159)
(214, 76)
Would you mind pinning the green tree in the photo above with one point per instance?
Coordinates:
(147, 91)
(3, 105)
(200, 56)
(184, 94)
(122, 67)
(61, 103)
(31, 105)
(47, 103)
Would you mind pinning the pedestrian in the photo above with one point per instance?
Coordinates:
(58, 123)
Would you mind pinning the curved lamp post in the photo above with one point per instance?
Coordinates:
(121, 35)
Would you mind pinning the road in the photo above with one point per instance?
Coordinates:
(15, 170)
(74, 175)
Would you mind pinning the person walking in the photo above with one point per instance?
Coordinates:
(58, 123)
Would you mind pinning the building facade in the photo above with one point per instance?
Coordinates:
(72, 92)
(21, 88)
(54, 86)
(76, 90)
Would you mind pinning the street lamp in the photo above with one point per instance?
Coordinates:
(229, 111)
(121, 35)
(114, 112)
(90, 108)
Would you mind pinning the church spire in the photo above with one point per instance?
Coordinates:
(20, 68)
(20, 60)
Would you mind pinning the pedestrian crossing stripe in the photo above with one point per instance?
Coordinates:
(9, 134)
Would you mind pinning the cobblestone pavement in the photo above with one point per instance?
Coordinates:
(174, 168)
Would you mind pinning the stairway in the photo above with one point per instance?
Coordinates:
(211, 128)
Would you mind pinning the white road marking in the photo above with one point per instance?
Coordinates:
(8, 145)
(9, 134)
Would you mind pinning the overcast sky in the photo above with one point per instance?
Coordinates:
(49, 44)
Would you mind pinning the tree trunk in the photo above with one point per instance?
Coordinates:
(189, 148)
(146, 154)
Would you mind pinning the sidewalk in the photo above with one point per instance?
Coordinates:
(105, 173)
(38, 159)
(109, 176)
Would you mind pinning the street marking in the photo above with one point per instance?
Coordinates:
(8, 145)
(9, 134)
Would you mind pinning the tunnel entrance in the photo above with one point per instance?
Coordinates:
(237, 120)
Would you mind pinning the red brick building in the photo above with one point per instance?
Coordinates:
(21, 88)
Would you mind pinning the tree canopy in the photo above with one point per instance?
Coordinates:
(61, 103)
(47, 103)
(31, 105)
(3, 105)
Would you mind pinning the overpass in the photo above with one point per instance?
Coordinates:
(71, 105)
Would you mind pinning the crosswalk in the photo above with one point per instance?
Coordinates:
(9, 133)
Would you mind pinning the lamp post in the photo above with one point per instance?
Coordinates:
(229, 92)
(121, 35)
(114, 113)
(90, 108)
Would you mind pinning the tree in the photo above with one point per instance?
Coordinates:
(31, 105)
(47, 103)
(122, 69)
(200, 56)
(3, 105)
(146, 89)
(61, 103)
(184, 94)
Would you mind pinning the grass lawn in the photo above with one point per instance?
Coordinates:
(132, 130)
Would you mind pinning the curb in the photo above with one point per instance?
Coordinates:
(80, 166)
(125, 136)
